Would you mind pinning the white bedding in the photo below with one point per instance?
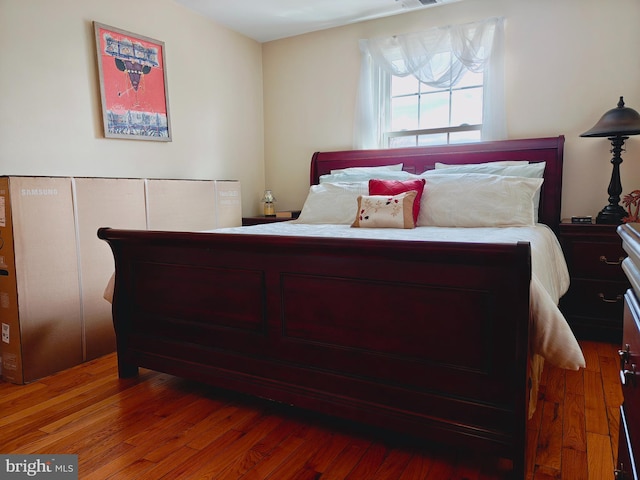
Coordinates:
(552, 338)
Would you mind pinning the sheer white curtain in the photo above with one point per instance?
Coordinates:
(437, 57)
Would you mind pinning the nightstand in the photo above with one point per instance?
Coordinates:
(594, 304)
(259, 219)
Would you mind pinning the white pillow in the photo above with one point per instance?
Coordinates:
(478, 200)
(383, 168)
(332, 203)
(358, 176)
(527, 170)
(502, 163)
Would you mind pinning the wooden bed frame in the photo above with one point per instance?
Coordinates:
(430, 340)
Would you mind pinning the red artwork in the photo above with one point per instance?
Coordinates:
(132, 84)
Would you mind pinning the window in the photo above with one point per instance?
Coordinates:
(442, 85)
(421, 115)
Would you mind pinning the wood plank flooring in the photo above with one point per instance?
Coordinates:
(161, 427)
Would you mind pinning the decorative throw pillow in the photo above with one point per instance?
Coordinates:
(385, 211)
(394, 187)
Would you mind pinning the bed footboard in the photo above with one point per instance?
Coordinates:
(428, 340)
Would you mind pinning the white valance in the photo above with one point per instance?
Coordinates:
(438, 57)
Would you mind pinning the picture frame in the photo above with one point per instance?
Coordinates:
(133, 85)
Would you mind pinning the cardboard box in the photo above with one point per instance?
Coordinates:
(193, 205)
(39, 292)
(228, 203)
(181, 205)
(54, 269)
(102, 202)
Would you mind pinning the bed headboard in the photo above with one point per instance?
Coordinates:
(421, 159)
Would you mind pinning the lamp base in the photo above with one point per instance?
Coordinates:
(611, 215)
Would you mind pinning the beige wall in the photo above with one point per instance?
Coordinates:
(50, 111)
(567, 62)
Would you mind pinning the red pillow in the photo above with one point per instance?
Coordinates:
(394, 187)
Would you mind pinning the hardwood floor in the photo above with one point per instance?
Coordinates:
(158, 426)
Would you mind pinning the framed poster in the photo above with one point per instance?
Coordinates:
(133, 85)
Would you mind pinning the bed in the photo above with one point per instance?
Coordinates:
(440, 337)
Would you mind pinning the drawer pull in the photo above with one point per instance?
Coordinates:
(624, 355)
(620, 473)
(610, 300)
(629, 376)
(604, 260)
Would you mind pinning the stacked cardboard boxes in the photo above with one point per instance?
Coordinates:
(54, 269)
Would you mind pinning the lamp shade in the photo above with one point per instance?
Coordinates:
(620, 121)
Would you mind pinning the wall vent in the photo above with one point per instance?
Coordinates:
(417, 3)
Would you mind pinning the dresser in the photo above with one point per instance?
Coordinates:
(627, 467)
(594, 303)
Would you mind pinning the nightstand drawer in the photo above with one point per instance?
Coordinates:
(595, 299)
(260, 219)
(248, 221)
(597, 260)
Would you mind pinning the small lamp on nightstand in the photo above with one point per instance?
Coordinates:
(617, 125)
(268, 204)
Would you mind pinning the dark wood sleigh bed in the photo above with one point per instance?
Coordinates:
(430, 340)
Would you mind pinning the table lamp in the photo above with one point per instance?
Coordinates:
(617, 125)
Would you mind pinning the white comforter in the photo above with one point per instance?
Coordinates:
(552, 339)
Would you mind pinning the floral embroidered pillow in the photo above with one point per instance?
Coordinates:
(385, 211)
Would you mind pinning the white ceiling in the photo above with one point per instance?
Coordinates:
(266, 20)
